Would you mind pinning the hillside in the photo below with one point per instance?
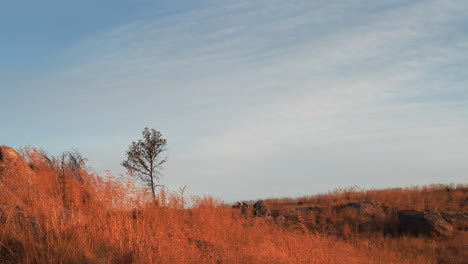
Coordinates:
(56, 210)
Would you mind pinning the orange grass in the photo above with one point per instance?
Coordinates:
(383, 231)
(436, 197)
(110, 220)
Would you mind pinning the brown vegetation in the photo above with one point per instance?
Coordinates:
(51, 213)
(372, 216)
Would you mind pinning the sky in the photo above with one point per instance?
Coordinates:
(257, 98)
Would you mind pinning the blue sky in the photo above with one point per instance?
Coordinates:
(256, 98)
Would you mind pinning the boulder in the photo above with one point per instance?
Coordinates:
(244, 206)
(17, 177)
(13, 164)
(427, 223)
(366, 208)
(280, 219)
(260, 209)
(458, 221)
(236, 205)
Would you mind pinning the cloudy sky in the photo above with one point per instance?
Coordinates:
(257, 99)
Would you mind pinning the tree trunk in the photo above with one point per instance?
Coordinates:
(153, 191)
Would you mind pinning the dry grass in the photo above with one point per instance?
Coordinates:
(383, 230)
(91, 219)
(437, 197)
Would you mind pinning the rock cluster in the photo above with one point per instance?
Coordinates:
(428, 223)
(260, 209)
(366, 208)
(458, 221)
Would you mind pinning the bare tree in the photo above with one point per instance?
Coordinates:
(144, 158)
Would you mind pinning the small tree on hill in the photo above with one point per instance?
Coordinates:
(144, 158)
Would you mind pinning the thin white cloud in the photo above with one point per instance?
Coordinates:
(252, 82)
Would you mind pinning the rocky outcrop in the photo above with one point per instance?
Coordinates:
(237, 205)
(12, 164)
(458, 221)
(16, 178)
(280, 219)
(367, 208)
(244, 209)
(260, 209)
(428, 223)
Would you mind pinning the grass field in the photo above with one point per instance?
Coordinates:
(67, 214)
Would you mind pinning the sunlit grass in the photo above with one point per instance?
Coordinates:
(110, 220)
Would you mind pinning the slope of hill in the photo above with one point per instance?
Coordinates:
(57, 211)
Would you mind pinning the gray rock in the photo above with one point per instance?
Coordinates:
(428, 223)
(260, 209)
(367, 208)
(236, 205)
(458, 221)
(244, 209)
(280, 219)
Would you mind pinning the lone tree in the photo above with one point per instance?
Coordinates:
(144, 158)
